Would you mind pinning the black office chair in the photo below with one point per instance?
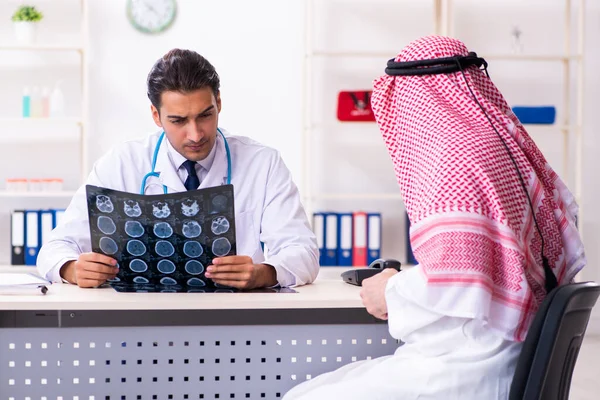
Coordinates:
(550, 350)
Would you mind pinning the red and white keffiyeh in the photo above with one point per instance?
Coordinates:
(472, 229)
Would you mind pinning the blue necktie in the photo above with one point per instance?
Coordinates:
(192, 182)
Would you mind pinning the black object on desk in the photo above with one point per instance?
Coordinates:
(356, 276)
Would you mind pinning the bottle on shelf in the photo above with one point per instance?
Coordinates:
(36, 111)
(35, 185)
(16, 185)
(26, 102)
(57, 102)
(52, 184)
(45, 103)
(517, 40)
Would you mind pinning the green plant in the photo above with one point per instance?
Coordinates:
(27, 13)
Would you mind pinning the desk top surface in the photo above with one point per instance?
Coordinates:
(328, 291)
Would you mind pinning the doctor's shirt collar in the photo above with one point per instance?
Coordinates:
(177, 159)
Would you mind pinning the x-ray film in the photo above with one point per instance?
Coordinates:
(163, 243)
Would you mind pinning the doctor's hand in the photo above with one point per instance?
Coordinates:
(239, 272)
(373, 293)
(90, 270)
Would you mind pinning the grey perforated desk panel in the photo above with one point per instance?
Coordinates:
(97, 344)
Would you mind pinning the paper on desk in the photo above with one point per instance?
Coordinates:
(13, 279)
(22, 284)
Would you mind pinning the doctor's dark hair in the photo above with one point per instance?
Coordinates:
(181, 71)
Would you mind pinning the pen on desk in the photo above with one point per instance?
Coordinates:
(24, 290)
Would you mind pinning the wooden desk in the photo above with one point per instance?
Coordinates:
(328, 291)
(101, 344)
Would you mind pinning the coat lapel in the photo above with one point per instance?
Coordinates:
(218, 171)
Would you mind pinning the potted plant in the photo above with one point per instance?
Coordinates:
(25, 21)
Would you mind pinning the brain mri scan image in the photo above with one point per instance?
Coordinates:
(191, 229)
(189, 208)
(219, 203)
(104, 204)
(161, 210)
(106, 225)
(134, 229)
(136, 248)
(168, 281)
(163, 230)
(196, 282)
(132, 208)
(194, 267)
(166, 267)
(140, 279)
(108, 246)
(138, 266)
(221, 247)
(192, 249)
(163, 242)
(219, 225)
(164, 248)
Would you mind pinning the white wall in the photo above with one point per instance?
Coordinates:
(257, 48)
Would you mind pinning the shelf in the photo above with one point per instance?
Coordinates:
(353, 54)
(42, 47)
(495, 57)
(530, 57)
(553, 127)
(40, 139)
(55, 127)
(340, 124)
(357, 196)
(65, 193)
(50, 121)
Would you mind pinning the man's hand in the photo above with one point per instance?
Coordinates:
(239, 272)
(373, 293)
(90, 270)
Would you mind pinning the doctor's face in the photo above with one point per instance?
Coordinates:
(190, 121)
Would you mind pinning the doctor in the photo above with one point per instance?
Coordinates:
(191, 152)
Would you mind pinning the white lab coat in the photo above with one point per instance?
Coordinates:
(267, 204)
(442, 358)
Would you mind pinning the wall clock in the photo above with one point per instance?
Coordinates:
(151, 16)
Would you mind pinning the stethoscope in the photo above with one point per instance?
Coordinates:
(157, 174)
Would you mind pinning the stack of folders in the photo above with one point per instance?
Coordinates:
(348, 239)
(30, 229)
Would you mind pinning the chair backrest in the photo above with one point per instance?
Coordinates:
(547, 360)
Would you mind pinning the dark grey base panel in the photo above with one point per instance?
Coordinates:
(131, 318)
